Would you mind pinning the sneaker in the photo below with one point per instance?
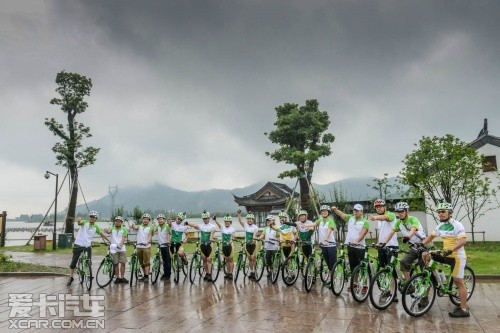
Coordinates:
(252, 275)
(209, 277)
(118, 280)
(395, 300)
(410, 290)
(459, 313)
(145, 279)
(70, 281)
(184, 261)
(123, 280)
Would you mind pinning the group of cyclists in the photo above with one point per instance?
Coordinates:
(285, 236)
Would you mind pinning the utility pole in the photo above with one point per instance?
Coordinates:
(112, 192)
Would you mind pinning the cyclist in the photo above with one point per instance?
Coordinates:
(227, 234)
(386, 221)
(118, 236)
(305, 233)
(412, 231)
(250, 233)
(163, 230)
(454, 238)
(83, 240)
(288, 234)
(271, 244)
(326, 234)
(179, 237)
(144, 236)
(207, 231)
(357, 228)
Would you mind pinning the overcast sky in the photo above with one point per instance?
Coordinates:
(184, 90)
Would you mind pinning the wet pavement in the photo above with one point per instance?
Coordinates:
(248, 306)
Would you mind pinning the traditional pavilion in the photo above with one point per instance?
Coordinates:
(271, 197)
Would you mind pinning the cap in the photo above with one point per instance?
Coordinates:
(357, 207)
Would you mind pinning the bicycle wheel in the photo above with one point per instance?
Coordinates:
(419, 295)
(338, 278)
(88, 275)
(260, 265)
(176, 267)
(133, 268)
(239, 265)
(246, 266)
(309, 275)
(470, 284)
(193, 267)
(290, 270)
(105, 272)
(383, 289)
(275, 273)
(216, 267)
(155, 269)
(324, 271)
(360, 283)
(79, 270)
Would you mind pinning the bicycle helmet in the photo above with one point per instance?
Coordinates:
(147, 216)
(160, 216)
(181, 216)
(228, 218)
(205, 215)
(379, 202)
(283, 214)
(444, 206)
(250, 216)
(401, 206)
(93, 214)
(303, 212)
(325, 207)
(269, 217)
(119, 218)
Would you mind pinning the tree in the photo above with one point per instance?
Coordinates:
(382, 186)
(70, 152)
(448, 169)
(300, 133)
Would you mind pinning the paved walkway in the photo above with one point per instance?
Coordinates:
(247, 306)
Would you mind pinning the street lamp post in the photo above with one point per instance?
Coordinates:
(47, 176)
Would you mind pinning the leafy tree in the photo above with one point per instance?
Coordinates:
(382, 186)
(137, 214)
(448, 169)
(300, 133)
(70, 153)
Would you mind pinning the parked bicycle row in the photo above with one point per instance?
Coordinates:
(287, 249)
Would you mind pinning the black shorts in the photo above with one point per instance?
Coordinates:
(250, 248)
(227, 250)
(174, 248)
(77, 251)
(286, 250)
(206, 249)
(306, 250)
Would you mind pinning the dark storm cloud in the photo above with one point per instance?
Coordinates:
(184, 90)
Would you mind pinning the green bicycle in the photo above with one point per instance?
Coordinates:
(316, 264)
(84, 268)
(135, 268)
(196, 265)
(260, 262)
(363, 274)
(177, 264)
(106, 271)
(157, 261)
(241, 261)
(290, 269)
(217, 262)
(341, 272)
(420, 292)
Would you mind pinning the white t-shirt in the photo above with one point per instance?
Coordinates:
(271, 239)
(86, 234)
(116, 236)
(354, 228)
(143, 236)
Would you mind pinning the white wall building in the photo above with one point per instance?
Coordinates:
(489, 146)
